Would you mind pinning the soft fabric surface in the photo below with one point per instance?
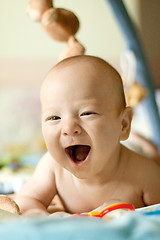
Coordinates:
(131, 226)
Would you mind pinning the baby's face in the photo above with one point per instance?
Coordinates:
(80, 121)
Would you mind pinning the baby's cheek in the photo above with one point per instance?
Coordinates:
(100, 137)
(105, 138)
(49, 133)
(51, 139)
(102, 131)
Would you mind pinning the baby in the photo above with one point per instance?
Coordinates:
(84, 119)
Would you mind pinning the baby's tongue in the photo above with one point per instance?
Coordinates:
(81, 152)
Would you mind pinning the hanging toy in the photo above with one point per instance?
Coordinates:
(73, 48)
(60, 24)
(35, 8)
(134, 92)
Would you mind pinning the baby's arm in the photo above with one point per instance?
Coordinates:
(39, 191)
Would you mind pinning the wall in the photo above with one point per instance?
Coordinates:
(27, 52)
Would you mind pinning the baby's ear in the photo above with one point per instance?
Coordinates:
(126, 118)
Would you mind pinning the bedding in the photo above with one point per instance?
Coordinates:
(140, 224)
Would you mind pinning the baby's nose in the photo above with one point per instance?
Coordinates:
(71, 128)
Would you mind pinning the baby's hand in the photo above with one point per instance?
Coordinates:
(35, 212)
(59, 214)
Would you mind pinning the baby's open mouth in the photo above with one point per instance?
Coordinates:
(78, 153)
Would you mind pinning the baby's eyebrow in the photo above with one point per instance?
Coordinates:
(48, 108)
(46, 114)
(89, 102)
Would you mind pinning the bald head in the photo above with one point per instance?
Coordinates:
(101, 75)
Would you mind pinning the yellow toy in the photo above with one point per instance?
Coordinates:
(134, 92)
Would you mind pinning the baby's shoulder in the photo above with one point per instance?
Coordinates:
(47, 163)
(53, 165)
(150, 180)
(144, 173)
(145, 170)
(140, 165)
(143, 161)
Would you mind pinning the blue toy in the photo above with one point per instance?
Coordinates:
(142, 72)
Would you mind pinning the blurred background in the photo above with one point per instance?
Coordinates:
(27, 53)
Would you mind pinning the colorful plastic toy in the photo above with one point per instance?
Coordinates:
(108, 209)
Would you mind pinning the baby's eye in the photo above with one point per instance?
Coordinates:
(87, 113)
(54, 118)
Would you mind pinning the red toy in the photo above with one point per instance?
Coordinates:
(108, 209)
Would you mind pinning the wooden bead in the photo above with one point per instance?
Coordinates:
(35, 8)
(60, 23)
(74, 48)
